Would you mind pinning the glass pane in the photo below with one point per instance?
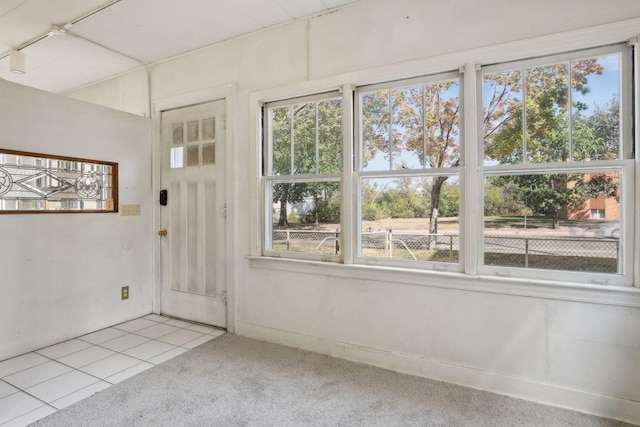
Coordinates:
(407, 142)
(442, 124)
(330, 136)
(193, 134)
(193, 156)
(502, 117)
(546, 113)
(595, 105)
(176, 155)
(412, 218)
(36, 182)
(208, 154)
(178, 134)
(376, 143)
(281, 140)
(306, 217)
(304, 138)
(553, 221)
(209, 129)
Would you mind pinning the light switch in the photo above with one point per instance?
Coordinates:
(130, 210)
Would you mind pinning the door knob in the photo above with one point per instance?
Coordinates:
(162, 233)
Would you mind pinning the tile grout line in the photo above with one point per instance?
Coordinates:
(121, 352)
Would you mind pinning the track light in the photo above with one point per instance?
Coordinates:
(17, 62)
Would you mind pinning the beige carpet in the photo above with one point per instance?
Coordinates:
(236, 381)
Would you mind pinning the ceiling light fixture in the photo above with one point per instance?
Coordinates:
(17, 62)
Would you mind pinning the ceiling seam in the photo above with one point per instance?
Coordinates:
(62, 29)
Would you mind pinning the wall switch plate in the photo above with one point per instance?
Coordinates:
(130, 210)
(124, 292)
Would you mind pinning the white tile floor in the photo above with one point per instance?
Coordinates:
(37, 384)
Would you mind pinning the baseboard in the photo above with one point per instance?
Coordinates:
(548, 394)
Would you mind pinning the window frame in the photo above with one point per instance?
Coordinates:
(424, 172)
(471, 277)
(625, 165)
(268, 178)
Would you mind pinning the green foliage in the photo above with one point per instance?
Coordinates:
(325, 207)
(546, 109)
(293, 217)
(450, 200)
(314, 151)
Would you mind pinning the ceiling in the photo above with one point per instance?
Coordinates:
(80, 42)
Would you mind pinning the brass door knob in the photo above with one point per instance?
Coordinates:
(162, 233)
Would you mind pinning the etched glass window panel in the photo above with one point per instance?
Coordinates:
(209, 129)
(208, 154)
(543, 221)
(375, 125)
(38, 182)
(178, 134)
(330, 136)
(281, 140)
(193, 155)
(193, 131)
(413, 218)
(595, 102)
(502, 105)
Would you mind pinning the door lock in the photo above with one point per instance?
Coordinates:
(162, 233)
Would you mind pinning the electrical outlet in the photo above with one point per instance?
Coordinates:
(125, 292)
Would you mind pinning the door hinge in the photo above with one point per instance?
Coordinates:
(224, 211)
(223, 295)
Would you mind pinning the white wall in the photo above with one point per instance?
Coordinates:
(572, 347)
(61, 274)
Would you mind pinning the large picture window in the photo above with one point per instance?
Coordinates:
(557, 149)
(409, 171)
(303, 142)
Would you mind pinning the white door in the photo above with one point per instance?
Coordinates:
(192, 222)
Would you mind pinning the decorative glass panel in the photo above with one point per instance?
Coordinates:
(192, 131)
(208, 154)
(209, 129)
(178, 134)
(44, 183)
(192, 155)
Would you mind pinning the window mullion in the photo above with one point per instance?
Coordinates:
(524, 115)
(472, 190)
(317, 141)
(291, 138)
(570, 109)
(390, 143)
(349, 219)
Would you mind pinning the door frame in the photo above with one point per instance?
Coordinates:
(228, 93)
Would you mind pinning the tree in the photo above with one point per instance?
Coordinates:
(315, 150)
(421, 122)
(546, 137)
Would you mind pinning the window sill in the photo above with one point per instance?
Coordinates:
(626, 296)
